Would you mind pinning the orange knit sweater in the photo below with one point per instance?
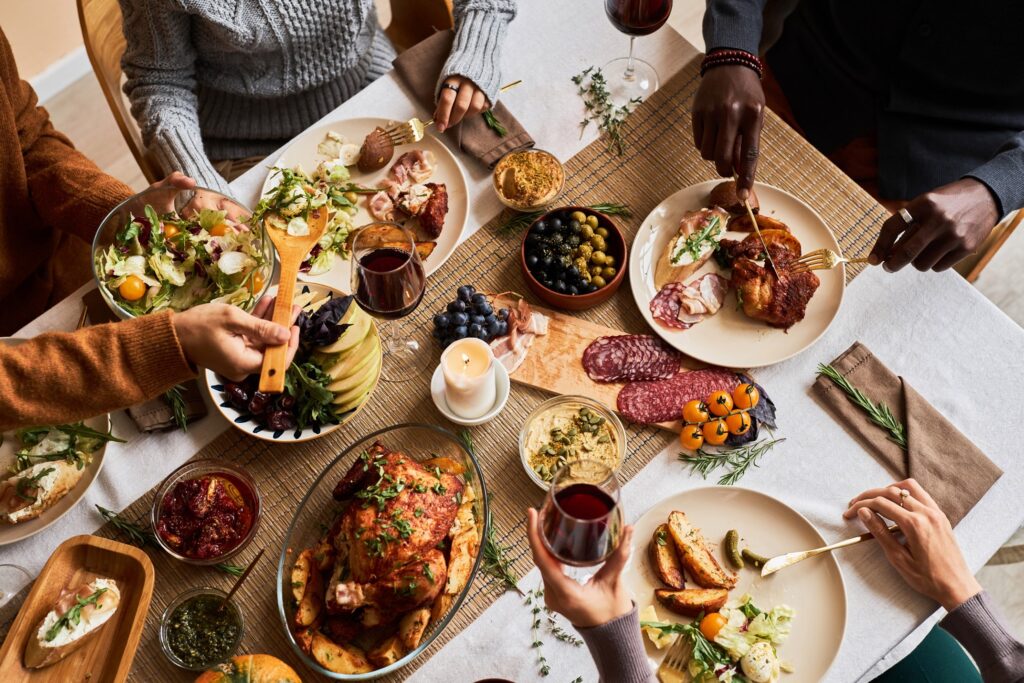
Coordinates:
(52, 199)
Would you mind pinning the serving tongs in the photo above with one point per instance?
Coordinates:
(789, 559)
(291, 252)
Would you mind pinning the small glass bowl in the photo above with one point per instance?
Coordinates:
(576, 402)
(177, 602)
(518, 206)
(193, 470)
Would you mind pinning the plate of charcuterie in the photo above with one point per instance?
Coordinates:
(702, 282)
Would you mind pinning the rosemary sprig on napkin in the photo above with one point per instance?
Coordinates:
(599, 108)
(878, 413)
(737, 460)
(176, 402)
(141, 537)
(518, 221)
(494, 124)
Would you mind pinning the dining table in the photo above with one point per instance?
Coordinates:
(935, 329)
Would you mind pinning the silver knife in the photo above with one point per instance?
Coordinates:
(789, 559)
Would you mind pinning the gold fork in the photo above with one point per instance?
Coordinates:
(413, 130)
(822, 259)
(673, 669)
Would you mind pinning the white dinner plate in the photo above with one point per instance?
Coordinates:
(814, 588)
(303, 152)
(729, 338)
(10, 533)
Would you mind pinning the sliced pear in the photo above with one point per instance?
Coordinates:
(349, 399)
(340, 366)
(360, 324)
(357, 376)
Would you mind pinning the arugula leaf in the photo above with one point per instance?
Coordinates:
(128, 232)
(73, 616)
(307, 384)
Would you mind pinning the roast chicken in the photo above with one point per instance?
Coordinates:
(779, 301)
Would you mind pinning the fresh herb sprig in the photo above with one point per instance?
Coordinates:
(600, 109)
(710, 657)
(73, 616)
(878, 413)
(142, 537)
(494, 124)
(496, 562)
(82, 440)
(534, 600)
(518, 221)
(736, 461)
(176, 401)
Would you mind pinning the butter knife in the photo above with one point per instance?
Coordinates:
(757, 229)
(789, 559)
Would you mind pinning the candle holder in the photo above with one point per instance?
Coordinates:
(502, 389)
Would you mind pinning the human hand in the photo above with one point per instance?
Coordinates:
(452, 107)
(596, 602)
(230, 341)
(728, 112)
(930, 561)
(949, 223)
(176, 180)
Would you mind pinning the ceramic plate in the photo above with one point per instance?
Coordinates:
(247, 424)
(814, 588)
(303, 152)
(729, 338)
(9, 533)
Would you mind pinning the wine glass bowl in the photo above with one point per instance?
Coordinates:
(581, 521)
(629, 79)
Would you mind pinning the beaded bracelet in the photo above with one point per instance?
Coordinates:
(722, 57)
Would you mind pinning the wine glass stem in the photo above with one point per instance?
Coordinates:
(395, 342)
(630, 74)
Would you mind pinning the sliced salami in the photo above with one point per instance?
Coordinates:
(663, 400)
(630, 358)
(667, 303)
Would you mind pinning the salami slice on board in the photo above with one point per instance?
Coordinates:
(630, 357)
(663, 400)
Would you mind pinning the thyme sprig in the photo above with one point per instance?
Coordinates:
(142, 537)
(600, 109)
(736, 460)
(519, 221)
(496, 562)
(176, 401)
(494, 124)
(533, 601)
(878, 413)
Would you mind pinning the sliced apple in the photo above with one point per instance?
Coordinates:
(342, 365)
(355, 379)
(360, 325)
(348, 400)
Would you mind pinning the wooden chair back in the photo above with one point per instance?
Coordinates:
(414, 20)
(103, 34)
(972, 266)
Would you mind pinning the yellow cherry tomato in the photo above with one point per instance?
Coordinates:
(695, 411)
(720, 403)
(220, 229)
(711, 624)
(132, 289)
(715, 432)
(255, 283)
(691, 438)
(738, 423)
(170, 230)
(745, 396)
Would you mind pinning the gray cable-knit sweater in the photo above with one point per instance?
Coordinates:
(227, 79)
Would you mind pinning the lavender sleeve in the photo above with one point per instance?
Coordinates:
(618, 650)
(977, 626)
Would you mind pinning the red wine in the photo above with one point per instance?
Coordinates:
(391, 284)
(638, 17)
(581, 527)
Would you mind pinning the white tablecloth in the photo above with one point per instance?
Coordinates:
(951, 343)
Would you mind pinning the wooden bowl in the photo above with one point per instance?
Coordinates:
(579, 302)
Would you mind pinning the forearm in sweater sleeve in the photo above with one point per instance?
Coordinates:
(977, 626)
(618, 650)
(159, 63)
(62, 377)
(480, 27)
(734, 24)
(1004, 175)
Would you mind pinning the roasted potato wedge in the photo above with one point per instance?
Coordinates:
(695, 555)
(342, 630)
(312, 601)
(300, 572)
(387, 652)
(342, 659)
(741, 223)
(665, 558)
(412, 627)
(304, 637)
(445, 465)
(440, 607)
(692, 601)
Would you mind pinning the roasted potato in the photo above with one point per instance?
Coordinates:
(342, 659)
(724, 195)
(312, 601)
(741, 223)
(412, 626)
(387, 652)
(665, 558)
(696, 556)
(440, 607)
(300, 573)
(692, 601)
(465, 542)
(342, 630)
(445, 465)
(304, 637)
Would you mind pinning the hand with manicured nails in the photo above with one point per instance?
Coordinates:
(950, 223)
(596, 602)
(452, 107)
(728, 112)
(231, 342)
(930, 560)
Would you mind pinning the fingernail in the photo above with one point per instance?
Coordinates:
(864, 514)
(441, 127)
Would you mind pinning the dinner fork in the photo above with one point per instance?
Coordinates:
(822, 259)
(413, 130)
(673, 669)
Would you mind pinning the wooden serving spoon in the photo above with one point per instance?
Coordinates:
(291, 251)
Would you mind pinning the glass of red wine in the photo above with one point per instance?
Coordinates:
(582, 519)
(629, 78)
(388, 282)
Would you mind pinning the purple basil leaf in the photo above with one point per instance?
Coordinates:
(323, 327)
(764, 411)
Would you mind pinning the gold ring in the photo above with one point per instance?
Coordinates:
(904, 494)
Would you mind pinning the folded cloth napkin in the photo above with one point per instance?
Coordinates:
(156, 414)
(419, 67)
(944, 461)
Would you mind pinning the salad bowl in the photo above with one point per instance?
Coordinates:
(202, 251)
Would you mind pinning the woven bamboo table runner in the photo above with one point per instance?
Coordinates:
(659, 159)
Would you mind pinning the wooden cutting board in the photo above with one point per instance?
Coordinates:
(554, 363)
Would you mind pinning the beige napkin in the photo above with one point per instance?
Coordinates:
(156, 414)
(419, 68)
(944, 461)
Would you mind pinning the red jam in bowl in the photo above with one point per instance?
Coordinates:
(206, 517)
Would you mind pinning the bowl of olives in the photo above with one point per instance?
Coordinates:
(573, 257)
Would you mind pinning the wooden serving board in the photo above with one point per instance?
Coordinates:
(108, 656)
(554, 363)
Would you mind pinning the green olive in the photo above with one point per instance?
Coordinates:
(351, 196)
(598, 243)
(592, 221)
(587, 232)
(609, 260)
(598, 281)
(603, 232)
(608, 272)
(595, 271)
(578, 216)
(599, 258)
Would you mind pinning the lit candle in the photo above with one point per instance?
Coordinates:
(468, 367)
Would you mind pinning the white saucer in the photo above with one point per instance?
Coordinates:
(503, 389)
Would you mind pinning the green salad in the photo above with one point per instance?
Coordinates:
(166, 261)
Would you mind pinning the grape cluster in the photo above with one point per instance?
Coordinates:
(470, 315)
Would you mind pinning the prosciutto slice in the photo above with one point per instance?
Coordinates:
(682, 306)
(524, 324)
